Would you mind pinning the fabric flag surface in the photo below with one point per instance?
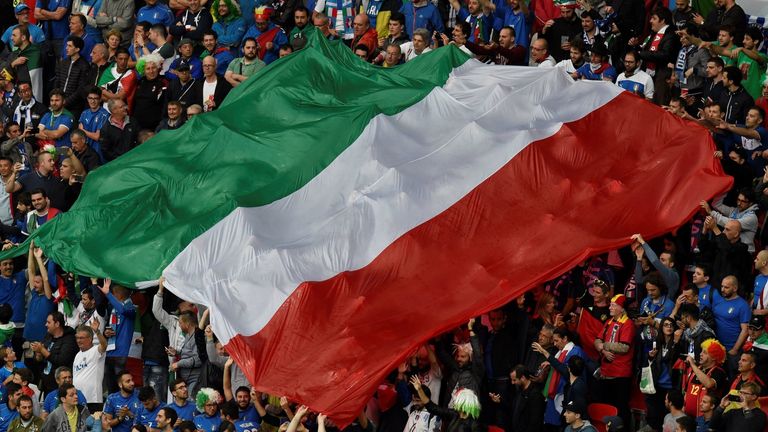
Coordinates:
(334, 215)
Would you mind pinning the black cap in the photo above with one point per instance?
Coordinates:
(577, 407)
(757, 322)
(184, 66)
(613, 423)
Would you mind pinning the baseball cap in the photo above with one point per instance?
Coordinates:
(184, 66)
(757, 322)
(613, 423)
(20, 7)
(576, 407)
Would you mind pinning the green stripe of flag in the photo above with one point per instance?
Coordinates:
(270, 137)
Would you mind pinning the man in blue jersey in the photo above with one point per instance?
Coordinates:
(760, 300)
(155, 12)
(122, 406)
(185, 410)
(12, 290)
(150, 409)
(119, 331)
(229, 412)
(93, 119)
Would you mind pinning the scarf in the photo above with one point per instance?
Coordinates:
(23, 114)
(332, 9)
(651, 66)
(682, 59)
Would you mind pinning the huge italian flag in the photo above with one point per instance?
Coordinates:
(334, 215)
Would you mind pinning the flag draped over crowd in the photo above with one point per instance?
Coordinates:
(334, 215)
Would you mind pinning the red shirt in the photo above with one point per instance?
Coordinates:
(621, 330)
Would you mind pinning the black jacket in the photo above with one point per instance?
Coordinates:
(665, 53)
(735, 105)
(734, 16)
(727, 259)
(202, 21)
(528, 410)
(222, 90)
(62, 353)
(187, 94)
(115, 141)
(71, 78)
(148, 102)
(562, 28)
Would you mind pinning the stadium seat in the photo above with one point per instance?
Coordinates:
(597, 412)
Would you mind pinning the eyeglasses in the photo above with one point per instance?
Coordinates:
(743, 393)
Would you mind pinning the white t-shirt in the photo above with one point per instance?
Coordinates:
(208, 90)
(88, 372)
(409, 53)
(567, 65)
(640, 81)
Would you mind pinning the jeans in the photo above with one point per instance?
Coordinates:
(157, 378)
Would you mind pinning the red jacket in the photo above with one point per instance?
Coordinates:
(370, 39)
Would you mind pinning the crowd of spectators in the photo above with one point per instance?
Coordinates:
(667, 335)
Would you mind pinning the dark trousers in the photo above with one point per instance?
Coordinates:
(616, 392)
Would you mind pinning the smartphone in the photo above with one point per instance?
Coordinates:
(77, 178)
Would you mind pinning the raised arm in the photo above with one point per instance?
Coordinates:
(228, 396)
(43, 273)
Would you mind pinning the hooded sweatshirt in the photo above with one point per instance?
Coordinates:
(230, 28)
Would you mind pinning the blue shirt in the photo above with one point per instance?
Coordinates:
(115, 402)
(122, 320)
(92, 121)
(426, 16)
(246, 426)
(91, 8)
(35, 33)
(159, 13)
(729, 315)
(505, 16)
(55, 29)
(760, 282)
(208, 424)
(148, 418)
(249, 414)
(707, 295)
(12, 292)
(186, 412)
(39, 309)
(605, 71)
(52, 401)
(195, 67)
(5, 373)
(52, 122)
(6, 416)
(648, 307)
